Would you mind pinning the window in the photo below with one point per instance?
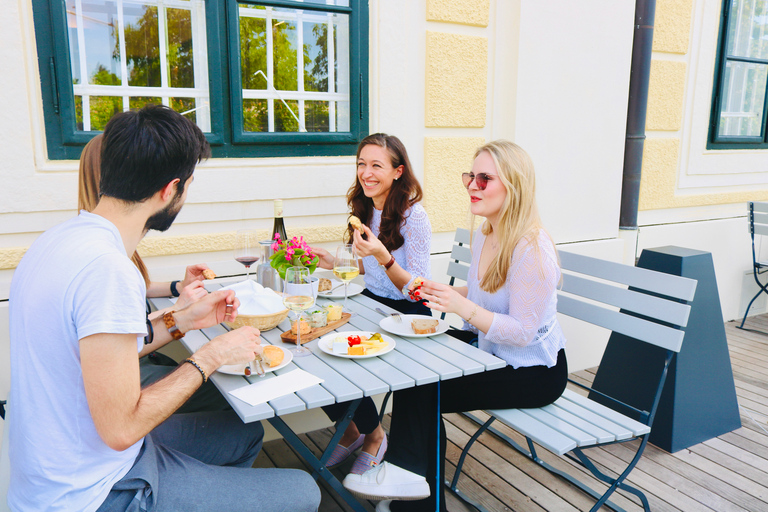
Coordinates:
(739, 116)
(260, 77)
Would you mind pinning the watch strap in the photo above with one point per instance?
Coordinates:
(174, 290)
(388, 264)
(170, 324)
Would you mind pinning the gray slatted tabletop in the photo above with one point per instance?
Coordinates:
(413, 362)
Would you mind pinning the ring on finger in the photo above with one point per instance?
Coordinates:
(437, 300)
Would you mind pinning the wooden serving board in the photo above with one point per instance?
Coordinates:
(316, 332)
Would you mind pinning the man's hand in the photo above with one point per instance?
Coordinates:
(192, 274)
(212, 309)
(235, 347)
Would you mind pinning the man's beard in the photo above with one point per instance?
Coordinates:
(162, 220)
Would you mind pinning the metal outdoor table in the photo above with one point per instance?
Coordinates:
(413, 362)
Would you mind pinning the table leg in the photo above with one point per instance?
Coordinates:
(318, 465)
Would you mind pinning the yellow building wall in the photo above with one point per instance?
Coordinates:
(456, 81)
(666, 108)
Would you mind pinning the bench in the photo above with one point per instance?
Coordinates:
(636, 303)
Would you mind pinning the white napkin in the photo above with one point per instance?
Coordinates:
(267, 389)
(255, 299)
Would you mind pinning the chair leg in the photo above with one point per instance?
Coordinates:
(384, 405)
(763, 288)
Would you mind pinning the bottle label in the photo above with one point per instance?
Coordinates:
(278, 208)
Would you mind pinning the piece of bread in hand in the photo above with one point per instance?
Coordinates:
(355, 223)
(208, 274)
(424, 325)
(304, 327)
(324, 284)
(272, 355)
(414, 287)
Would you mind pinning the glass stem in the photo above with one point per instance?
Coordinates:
(298, 331)
(345, 295)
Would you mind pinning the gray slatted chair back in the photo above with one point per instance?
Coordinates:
(623, 299)
(758, 225)
(461, 257)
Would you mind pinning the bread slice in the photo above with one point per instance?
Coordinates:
(424, 325)
(324, 284)
(209, 274)
(355, 223)
(272, 355)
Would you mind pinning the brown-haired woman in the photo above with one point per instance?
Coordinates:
(385, 197)
(155, 365)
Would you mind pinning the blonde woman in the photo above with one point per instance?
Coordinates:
(510, 303)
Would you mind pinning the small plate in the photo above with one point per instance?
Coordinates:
(326, 344)
(404, 328)
(338, 293)
(239, 369)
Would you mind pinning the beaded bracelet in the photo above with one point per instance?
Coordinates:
(194, 363)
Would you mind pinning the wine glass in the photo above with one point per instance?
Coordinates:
(345, 267)
(247, 249)
(299, 295)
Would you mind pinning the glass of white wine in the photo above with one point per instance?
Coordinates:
(345, 267)
(298, 295)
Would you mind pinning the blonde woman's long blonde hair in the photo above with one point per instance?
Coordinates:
(88, 189)
(519, 215)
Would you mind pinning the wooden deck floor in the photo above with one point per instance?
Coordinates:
(727, 473)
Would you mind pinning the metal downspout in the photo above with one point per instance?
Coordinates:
(640, 72)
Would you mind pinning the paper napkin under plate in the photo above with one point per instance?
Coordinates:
(268, 389)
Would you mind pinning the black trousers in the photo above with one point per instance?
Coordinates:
(413, 431)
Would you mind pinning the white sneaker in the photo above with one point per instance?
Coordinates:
(387, 482)
(383, 506)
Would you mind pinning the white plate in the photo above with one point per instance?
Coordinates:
(239, 369)
(326, 344)
(338, 293)
(404, 328)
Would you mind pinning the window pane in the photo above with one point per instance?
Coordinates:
(316, 116)
(140, 101)
(748, 29)
(102, 108)
(284, 116)
(142, 45)
(184, 106)
(743, 98)
(256, 115)
(284, 59)
(272, 40)
(98, 57)
(181, 66)
(253, 52)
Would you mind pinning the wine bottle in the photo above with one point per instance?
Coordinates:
(279, 227)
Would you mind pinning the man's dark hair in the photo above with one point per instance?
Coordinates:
(143, 150)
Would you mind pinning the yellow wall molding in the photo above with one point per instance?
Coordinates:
(445, 198)
(666, 92)
(659, 179)
(456, 80)
(672, 27)
(465, 12)
(10, 257)
(192, 244)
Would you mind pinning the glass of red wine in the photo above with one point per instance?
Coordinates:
(247, 249)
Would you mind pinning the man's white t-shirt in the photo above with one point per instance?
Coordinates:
(74, 281)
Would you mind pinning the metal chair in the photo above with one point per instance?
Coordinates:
(758, 225)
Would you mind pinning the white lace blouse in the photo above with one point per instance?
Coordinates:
(413, 255)
(525, 330)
